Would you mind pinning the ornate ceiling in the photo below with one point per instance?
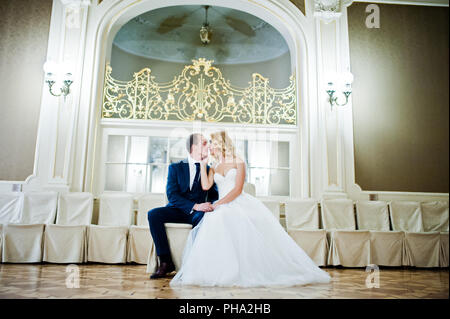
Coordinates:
(172, 34)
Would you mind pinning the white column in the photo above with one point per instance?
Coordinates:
(59, 116)
(332, 46)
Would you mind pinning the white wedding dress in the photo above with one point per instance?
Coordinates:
(242, 244)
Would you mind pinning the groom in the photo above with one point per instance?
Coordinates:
(187, 200)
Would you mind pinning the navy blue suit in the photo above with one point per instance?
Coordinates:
(181, 201)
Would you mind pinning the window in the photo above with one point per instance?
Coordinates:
(139, 163)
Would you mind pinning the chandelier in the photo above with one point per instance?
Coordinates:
(205, 30)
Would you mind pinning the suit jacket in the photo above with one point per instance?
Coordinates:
(178, 189)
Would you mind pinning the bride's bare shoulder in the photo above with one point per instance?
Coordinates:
(239, 161)
(215, 167)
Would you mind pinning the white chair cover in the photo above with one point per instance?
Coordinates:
(422, 249)
(140, 242)
(75, 209)
(406, 216)
(139, 239)
(107, 241)
(435, 216)
(39, 207)
(1, 240)
(116, 209)
(387, 247)
(443, 257)
(338, 214)
(24, 242)
(152, 260)
(107, 244)
(313, 242)
(274, 207)
(250, 189)
(372, 215)
(11, 204)
(146, 203)
(349, 248)
(66, 242)
(302, 214)
(177, 234)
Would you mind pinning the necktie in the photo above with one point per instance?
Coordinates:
(197, 174)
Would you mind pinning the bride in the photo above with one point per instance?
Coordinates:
(240, 243)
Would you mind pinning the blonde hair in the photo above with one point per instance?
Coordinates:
(226, 143)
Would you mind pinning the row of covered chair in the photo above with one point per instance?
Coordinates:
(45, 226)
(356, 234)
(52, 227)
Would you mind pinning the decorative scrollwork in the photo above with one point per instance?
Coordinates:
(199, 93)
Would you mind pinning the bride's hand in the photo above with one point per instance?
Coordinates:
(204, 161)
(215, 205)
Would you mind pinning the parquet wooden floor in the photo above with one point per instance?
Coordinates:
(131, 281)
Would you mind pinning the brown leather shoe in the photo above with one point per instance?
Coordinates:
(163, 269)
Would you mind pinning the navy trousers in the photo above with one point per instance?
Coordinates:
(158, 216)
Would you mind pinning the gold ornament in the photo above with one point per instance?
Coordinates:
(199, 93)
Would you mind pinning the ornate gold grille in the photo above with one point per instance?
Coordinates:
(199, 93)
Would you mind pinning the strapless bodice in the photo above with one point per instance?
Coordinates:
(225, 183)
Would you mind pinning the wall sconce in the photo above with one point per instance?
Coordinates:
(339, 82)
(58, 76)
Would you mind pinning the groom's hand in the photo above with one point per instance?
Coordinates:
(204, 207)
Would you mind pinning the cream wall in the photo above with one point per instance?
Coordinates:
(400, 98)
(24, 29)
(278, 70)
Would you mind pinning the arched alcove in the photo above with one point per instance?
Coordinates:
(285, 18)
